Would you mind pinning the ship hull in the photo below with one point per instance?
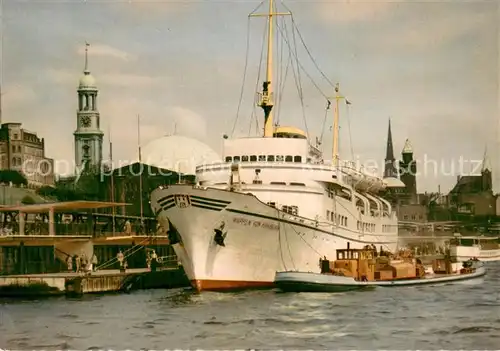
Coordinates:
(254, 240)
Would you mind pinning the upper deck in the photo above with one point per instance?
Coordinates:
(78, 219)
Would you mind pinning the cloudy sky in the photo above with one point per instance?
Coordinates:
(432, 67)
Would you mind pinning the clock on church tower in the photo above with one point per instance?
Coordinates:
(85, 121)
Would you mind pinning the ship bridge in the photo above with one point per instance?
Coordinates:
(289, 132)
(290, 147)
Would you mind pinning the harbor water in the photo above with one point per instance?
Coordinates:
(457, 316)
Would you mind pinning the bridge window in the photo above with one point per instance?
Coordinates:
(270, 158)
(297, 159)
(288, 158)
(262, 158)
(297, 184)
(244, 158)
(229, 159)
(293, 210)
(278, 183)
(280, 158)
(236, 159)
(253, 158)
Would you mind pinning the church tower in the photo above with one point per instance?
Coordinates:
(88, 135)
(390, 170)
(486, 170)
(408, 169)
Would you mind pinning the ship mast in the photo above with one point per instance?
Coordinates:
(140, 165)
(112, 185)
(335, 151)
(266, 97)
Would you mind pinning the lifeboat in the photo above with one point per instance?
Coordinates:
(361, 179)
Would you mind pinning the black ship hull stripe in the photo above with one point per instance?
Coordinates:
(207, 208)
(222, 202)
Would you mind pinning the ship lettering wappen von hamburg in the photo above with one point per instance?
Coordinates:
(272, 204)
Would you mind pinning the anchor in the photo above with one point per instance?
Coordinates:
(220, 235)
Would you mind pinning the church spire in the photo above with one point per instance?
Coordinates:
(390, 162)
(86, 68)
(486, 161)
(389, 152)
(87, 81)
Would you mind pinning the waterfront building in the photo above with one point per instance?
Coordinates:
(472, 196)
(23, 151)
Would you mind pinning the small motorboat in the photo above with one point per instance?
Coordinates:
(356, 269)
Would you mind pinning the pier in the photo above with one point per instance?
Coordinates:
(77, 284)
(40, 246)
(40, 238)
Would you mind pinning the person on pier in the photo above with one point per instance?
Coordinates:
(78, 262)
(128, 227)
(120, 258)
(93, 265)
(83, 262)
(74, 263)
(148, 260)
(69, 263)
(154, 261)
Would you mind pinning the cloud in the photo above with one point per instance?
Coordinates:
(17, 94)
(106, 51)
(345, 12)
(188, 122)
(126, 80)
(157, 119)
(435, 30)
(62, 76)
(131, 80)
(149, 9)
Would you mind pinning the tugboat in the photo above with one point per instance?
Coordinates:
(356, 269)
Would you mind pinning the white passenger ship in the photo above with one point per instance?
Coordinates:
(272, 205)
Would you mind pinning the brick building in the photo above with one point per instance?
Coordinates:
(472, 196)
